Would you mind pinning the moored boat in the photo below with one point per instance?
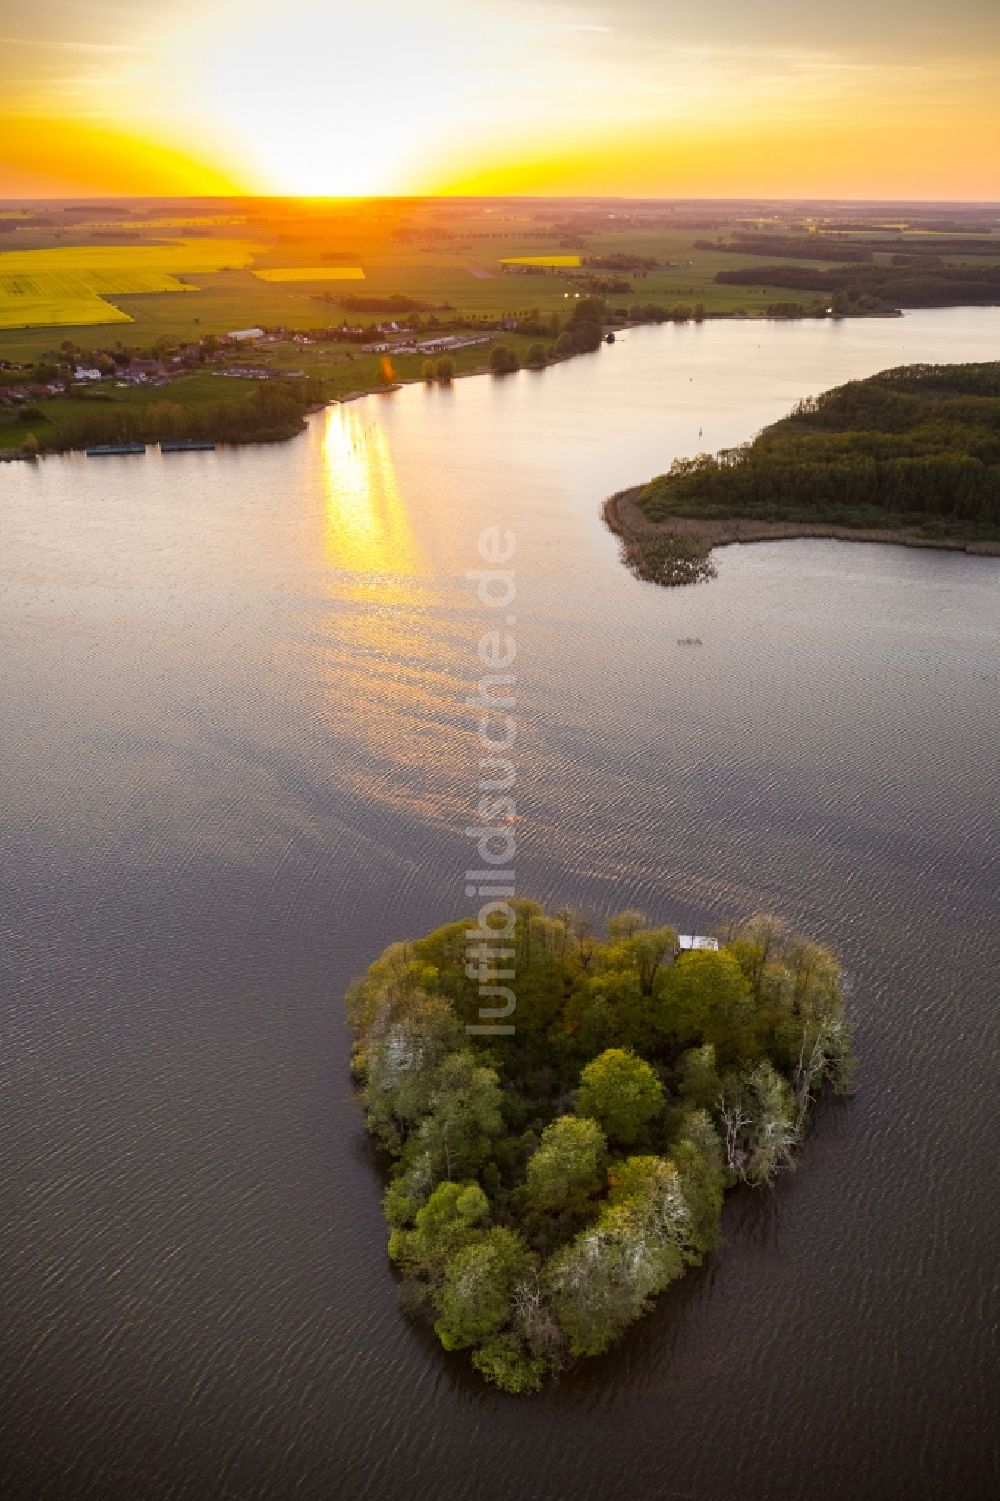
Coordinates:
(101, 449)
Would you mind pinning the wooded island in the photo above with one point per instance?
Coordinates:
(547, 1184)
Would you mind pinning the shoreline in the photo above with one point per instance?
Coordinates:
(415, 380)
(15, 455)
(643, 541)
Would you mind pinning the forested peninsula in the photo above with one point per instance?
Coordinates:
(549, 1177)
(911, 455)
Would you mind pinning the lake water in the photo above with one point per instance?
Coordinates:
(238, 760)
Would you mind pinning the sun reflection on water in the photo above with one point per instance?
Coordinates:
(367, 528)
(393, 664)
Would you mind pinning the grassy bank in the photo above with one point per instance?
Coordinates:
(259, 413)
(207, 405)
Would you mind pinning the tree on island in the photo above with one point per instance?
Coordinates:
(568, 1165)
(621, 1092)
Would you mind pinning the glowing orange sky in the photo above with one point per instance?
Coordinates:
(506, 96)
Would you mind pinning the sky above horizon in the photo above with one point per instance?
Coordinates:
(634, 98)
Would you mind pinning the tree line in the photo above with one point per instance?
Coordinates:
(620, 261)
(656, 312)
(799, 247)
(916, 446)
(819, 247)
(581, 332)
(547, 1184)
(270, 412)
(880, 287)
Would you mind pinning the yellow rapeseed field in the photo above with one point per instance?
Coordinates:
(68, 285)
(555, 261)
(57, 312)
(310, 273)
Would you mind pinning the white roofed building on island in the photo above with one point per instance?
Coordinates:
(686, 941)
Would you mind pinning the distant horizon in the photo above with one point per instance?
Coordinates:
(540, 197)
(567, 98)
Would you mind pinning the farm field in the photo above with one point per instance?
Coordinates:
(51, 307)
(224, 300)
(553, 262)
(192, 221)
(302, 265)
(70, 285)
(310, 273)
(289, 260)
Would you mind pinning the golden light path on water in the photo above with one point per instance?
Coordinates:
(392, 682)
(367, 525)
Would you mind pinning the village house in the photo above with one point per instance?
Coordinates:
(141, 372)
(688, 941)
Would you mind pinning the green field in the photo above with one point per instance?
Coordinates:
(343, 369)
(188, 390)
(285, 267)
